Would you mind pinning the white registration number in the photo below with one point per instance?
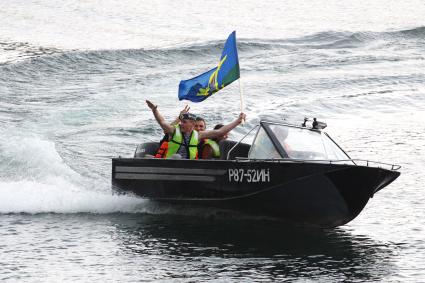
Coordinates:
(249, 175)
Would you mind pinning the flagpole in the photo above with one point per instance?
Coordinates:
(241, 95)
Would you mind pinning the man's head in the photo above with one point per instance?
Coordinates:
(223, 137)
(200, 124)
(187, 122)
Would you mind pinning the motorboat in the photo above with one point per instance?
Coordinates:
(295, 173)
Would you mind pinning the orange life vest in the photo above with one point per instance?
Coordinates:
(163, 148)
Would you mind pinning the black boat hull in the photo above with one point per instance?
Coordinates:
(308, 193)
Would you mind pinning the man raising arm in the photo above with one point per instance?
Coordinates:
(184, 138)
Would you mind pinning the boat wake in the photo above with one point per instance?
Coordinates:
(59, 196)
(62, 197)
(35, 179)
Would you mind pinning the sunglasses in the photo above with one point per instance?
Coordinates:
(187, 116)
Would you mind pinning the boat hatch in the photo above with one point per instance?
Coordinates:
(276, 141)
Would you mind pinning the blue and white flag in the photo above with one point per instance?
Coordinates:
(203, 86)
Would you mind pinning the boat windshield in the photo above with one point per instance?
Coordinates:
(263, 147)
(284, 141)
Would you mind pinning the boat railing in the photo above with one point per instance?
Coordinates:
(370, 163)
(228, 153)
(358, 162)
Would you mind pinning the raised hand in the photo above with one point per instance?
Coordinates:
(151, 105)
(185, 110)
(242, 117)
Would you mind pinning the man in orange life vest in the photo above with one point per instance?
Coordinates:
(184, 138)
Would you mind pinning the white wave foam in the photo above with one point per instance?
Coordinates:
(33, 158)
(60, 196)
(35, 179)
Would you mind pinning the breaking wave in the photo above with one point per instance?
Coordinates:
(322, 40)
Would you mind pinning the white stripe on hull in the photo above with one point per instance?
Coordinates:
(164, 177)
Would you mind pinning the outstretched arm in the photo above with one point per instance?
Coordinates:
(158, 117)
(212, 134)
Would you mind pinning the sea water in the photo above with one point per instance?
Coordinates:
(74, 77)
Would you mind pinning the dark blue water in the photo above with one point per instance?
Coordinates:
(74, 78)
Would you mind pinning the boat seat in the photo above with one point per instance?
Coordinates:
(147, 148)
(241, 150)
